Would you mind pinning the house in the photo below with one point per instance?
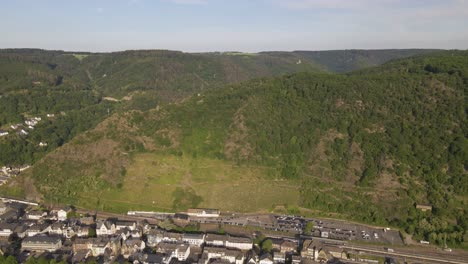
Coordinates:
(62, 215)
(308, 249)
(80, 256)
(37, 229)
(167, 249)
(21, 230)
(194, 239)
(23, 132)
(81, 231)
(203, 212)
(41, 243)
(98, 246)
(279, 257)
(322, 256)
(288, 247)
(252, 258)
(3, 207)
(296, 259)
(266, 259)
(87, 220)
(56, 229)
(154, 237)
(16, 126)
(43, 144)
(276, 243)
(132, 246)
(424, 208)
(80, 244)
(154, 259)
(216, 240)
(36, 215)
(223, 254)
(3, 133)
(7, 229)
(179, 251)
(241, 243)
(9, 215)
(136, 233)
(131, 225)
(172, 237)
(182, 252)
(105, 228)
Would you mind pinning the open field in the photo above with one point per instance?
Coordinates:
(164, 182)
(80, 56)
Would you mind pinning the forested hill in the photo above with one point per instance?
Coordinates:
(342, 61)
(368, 145)
(171, 74)
(80, 89)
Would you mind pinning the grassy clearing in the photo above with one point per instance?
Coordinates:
(80, 56)
(240, 54)
(151, 182)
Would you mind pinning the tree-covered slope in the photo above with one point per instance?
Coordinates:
(367, 145)
(350, 60)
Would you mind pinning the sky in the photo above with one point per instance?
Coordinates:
(233, 25)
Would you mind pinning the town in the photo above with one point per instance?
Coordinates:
(28, 230)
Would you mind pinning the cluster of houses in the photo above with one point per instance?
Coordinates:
(8, 172)
(23, 128)
(60, 232)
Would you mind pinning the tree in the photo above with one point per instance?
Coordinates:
(92, 232)
(308, 228)
(267, 245)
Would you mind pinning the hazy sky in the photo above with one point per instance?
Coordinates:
(228, 25)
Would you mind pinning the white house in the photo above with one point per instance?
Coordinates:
(194, 239)
(36, 215)
(154, 237)
(56, 229)
(37, 229)
(266, 259)
(98, 246)
(119, 225)
(216, 240)
(203, 212)
(279, 257)
(241, 243)
(105, 228)
(3, 133)
(182, 252)
(61, 215)
(6, 229)
(232, 256)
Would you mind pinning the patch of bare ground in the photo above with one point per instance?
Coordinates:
(318, 163)
(339, 103)
(355, 165)
(375, 128)
(172, 134)
(236, 144)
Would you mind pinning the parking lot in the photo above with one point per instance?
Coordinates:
(341, 230)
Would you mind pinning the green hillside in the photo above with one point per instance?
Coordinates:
(368, 146)
(81, 89)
